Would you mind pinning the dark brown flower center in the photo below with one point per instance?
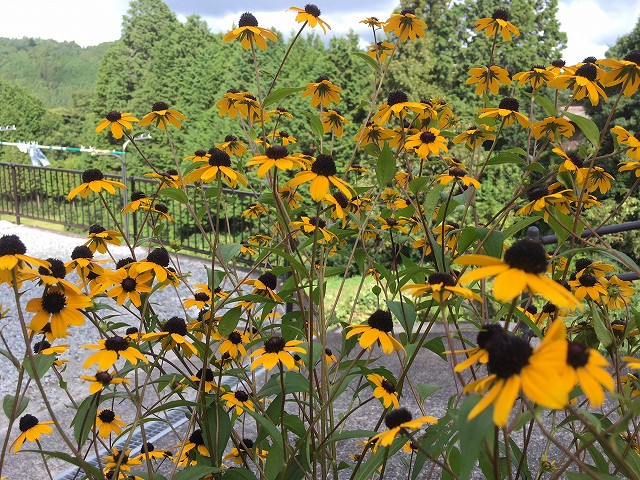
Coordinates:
(538, 193)
(441, 278)
(103, 378)
(588, 71)
(488, 333)
(241, 395)
(558, 63)
(196, 437)
(11, 245)
(388, 386)
(588, 281)
(27, 422)
(81, 251)
(92, 175)
(107, 416)
(235, 337)
(159, 106)
(527, 255)
(53, 302)
(427, 137)
(381, 320)
(501, 14)
(577, 355)
(311, 9)
(56, 268)
(113, 116)
(274, 345)
(129, 284)
(208, 374)
(509, 103)
(324, 165)
(276, 152)
(407, 11)
(508, 355)
(95, 228)
(248, 20)
(116, 344)
(396, 96)
(159, 256)
(633, 56)
(40, 346)
(269, 280)
(201, 297)
(317, 222)
(397, 417)
(176, 325)
(219, 158)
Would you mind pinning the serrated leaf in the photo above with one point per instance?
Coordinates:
(42, 364)
(386, 166)
(418, 184)
(279, 94)
(315, 124)
(229, 251)
(588, 127)
(229, 321)
(174, 194)
(424, 390)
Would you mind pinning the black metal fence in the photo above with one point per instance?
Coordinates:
(40, 193)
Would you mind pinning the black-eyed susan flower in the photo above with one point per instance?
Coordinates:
(507, 112)
(586, 367)
(109, 350)
(245, 448)
(370, 133)
(60, 307)
(514, 365)
(107, 422)
(381, 50)
(249, 33)
(385, 390)
(379, 327)
(285, 137)
(43, 347)
(100, 237)
(440, 286)
(274, 157)
(233, 344)
(594, 178)
(572, 161)
(557, 67)
(488, 79)
(173, 334)
(228, 104)
(522, 269)
(619, 292)
(310, 15)
(83, 263)
(334, 122)
(310, 225)
(265, 286)
(201, 298)
(162, 115)
(474, 136)
(240, 400)
(322, 175)
(553, 127)
(397, 421)
(195, 444)
(322, 91)
(633, 166)
(233, 146)
(120, 459)
(623, 137)
(625, 71)
(457, 173)
(169, 178)
(139, 200)
(101, 380)
(117, 122)
(498, 23)
(198, 156)
(537, 76)
(587, 285)
(156, 262)
(405, 25)
(126, 285)
(148, 450)
(584, 82)
(93, 181)
(543, 199)
(277, 350)
(206, 377)
(397, 105)
(52, 275)
(479, 354)
(13, 255)
(428, 142)
(218, 166)
(281, 113)
(30, 431)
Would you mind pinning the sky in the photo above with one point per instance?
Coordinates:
(591, 25)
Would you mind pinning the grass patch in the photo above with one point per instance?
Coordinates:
(367, 301)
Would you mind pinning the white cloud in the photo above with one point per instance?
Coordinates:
(87, 22)
(591, 28)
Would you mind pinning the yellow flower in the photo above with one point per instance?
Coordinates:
(440, 286)
(101, 380)
(276, 350)
(507, 111)
(487, 334)
(380, 51)
(250, 33)
(498, 23)
(595, 178)
(232, 146)
(543, 198)
(311, 224)
(139, 200)
(322, 91)
(120, 459)
(163, 116)
(127, 285)
(385, 390)
(60, 307)
(93, 181)
(623, 137)
(370, 133)
(245, 448)
(218, 166)
(522, 269)
(587, 286)
(108, 422)
(536, 77)
(276, 156)
(233, 344)
(398, 105)
(572, 161)
(619, 292)
(174, 334)
(30, 430)
(379, 327)
(553, 127)
(333, 121)
(457, 172)
(475, 136)
(398, 421)
(109, 350)
(587, 368)
(626, 71)
(265, 286)
(196, 442)
(424, 143)
(170, 178)
(117, 121)
(285, 138)
(322, 175)
(488, 79)
(513, 366)
(584, 83)
(238, 399)
(405, 25)
(99, 238)
(310, 14)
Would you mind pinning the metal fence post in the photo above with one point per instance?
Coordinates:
(14, 186)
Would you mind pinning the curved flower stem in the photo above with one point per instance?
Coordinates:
(118, 226)
(284, 59)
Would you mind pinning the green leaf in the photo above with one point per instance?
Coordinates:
(175, 194)
(436, 346)
(418, 184)
(431, 200)
(42, 364)
(405, 313)
(315, 124)
(372, 62)
(472, 434)
(238, 474)
(268, 425)
(505, 157)
(195, 472)
(294, 382)
(218, 422)
(279, 94)
(536, 167)
(588, 127)
(93, 471)
(84, 419)
(229, 321)
(386, 166)
(229, 251)
(545, 103)
(602, 332)
(8, 404)
(493, 243)
(424, 390)
(516, 227)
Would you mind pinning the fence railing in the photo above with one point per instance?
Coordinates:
(40, 193)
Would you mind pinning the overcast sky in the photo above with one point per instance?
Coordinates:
(591, 25)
